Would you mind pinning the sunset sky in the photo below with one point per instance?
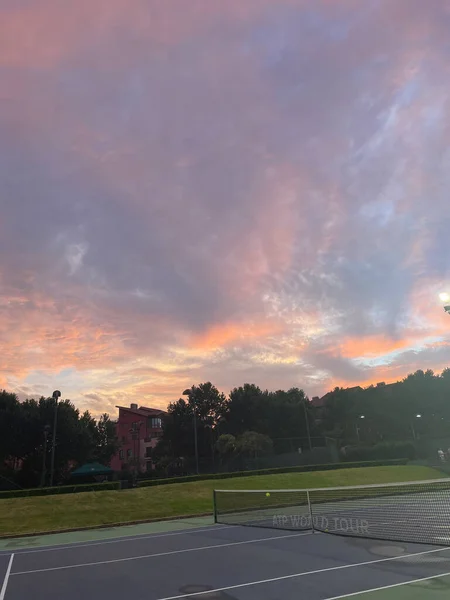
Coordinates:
(221, 190)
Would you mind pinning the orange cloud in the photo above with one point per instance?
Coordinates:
(391, 373)
(39, 333)
(235, 333)
(372, 346)
(148, 390)
(387, 373)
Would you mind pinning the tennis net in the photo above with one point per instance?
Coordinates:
(407, 512)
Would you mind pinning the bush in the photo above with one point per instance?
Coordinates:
(66, 489)
(382, 451)
(274, 471)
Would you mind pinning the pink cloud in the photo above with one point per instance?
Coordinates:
(29, 37)
(232, 182)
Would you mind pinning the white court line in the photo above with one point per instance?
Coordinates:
(387, 587)
(5, 581)
(117, 560)
(317, 571)
(138, 536)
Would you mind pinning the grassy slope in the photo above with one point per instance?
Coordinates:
(49, 513)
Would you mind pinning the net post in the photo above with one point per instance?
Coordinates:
(214, 506)
(310, 510)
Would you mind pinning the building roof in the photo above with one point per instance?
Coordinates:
(143, 411)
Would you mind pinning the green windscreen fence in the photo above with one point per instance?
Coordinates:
(408, 512)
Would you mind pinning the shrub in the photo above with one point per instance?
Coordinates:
(382, 451)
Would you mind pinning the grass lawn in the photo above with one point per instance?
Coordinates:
(51, 513)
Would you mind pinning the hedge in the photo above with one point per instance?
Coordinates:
(63, 489)
(380, 451)
(116, 485)
(273, 471)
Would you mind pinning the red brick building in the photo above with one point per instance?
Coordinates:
(138, 430)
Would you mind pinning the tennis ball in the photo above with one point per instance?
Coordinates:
(268, 494)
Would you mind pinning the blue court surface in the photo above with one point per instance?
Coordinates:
(222, 562)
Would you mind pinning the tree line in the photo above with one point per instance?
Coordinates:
(26, 430)
(414, 408)
(250, 422)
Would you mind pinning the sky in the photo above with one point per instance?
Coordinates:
(221, 190)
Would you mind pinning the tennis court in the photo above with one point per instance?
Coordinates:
(371, 542)
(224, 562)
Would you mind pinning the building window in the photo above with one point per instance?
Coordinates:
(148, 452)
(124, 439)
(155, 422)
(121, 454)
(129, 453)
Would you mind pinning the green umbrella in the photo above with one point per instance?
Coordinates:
(92, 469)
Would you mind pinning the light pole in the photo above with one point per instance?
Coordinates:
(44, 457)
(192, 403)
(413, 428)
(357, 428)
(307, 424)
(56, 394)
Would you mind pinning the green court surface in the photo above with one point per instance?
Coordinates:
(434, 588)
(89, 535)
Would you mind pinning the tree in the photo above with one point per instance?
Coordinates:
(208, 402)
(285, 417)
(26, 438)
(254, 444)
(74, 442)
(207, 405)
(178, 437)
(339, 413)
(10, 418)
(226, 445)
(246, 410)
(107, 443)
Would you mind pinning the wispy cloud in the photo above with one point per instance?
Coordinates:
(234, 191)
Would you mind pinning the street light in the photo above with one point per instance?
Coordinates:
(357, 428)
(44, 457)
(418, 416)
(56, 394)
(444, 297)
(192, 403)
(308, 433)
